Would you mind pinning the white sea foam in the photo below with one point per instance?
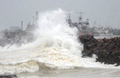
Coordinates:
(56, 47)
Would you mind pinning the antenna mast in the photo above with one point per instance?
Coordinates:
(80, 17)
(69, 20)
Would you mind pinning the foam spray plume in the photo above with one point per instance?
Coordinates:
(56, 46)
(54, 31)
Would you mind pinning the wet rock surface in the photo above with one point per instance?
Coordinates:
(8, 76)
(107, 50)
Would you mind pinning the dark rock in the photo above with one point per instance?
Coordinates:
(8, 76)
(107, 50)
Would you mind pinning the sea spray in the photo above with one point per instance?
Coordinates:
(56, 47)
(54, 31)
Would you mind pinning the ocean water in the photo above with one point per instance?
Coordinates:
(55, 53)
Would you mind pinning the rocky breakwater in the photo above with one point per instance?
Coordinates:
(106, 50)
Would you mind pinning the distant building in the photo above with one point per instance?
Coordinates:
(14, 28)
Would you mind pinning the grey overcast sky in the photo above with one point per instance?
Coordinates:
(104, 12)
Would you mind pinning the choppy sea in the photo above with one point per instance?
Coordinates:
(55, 53)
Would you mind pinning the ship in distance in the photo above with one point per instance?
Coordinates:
(84, 27)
